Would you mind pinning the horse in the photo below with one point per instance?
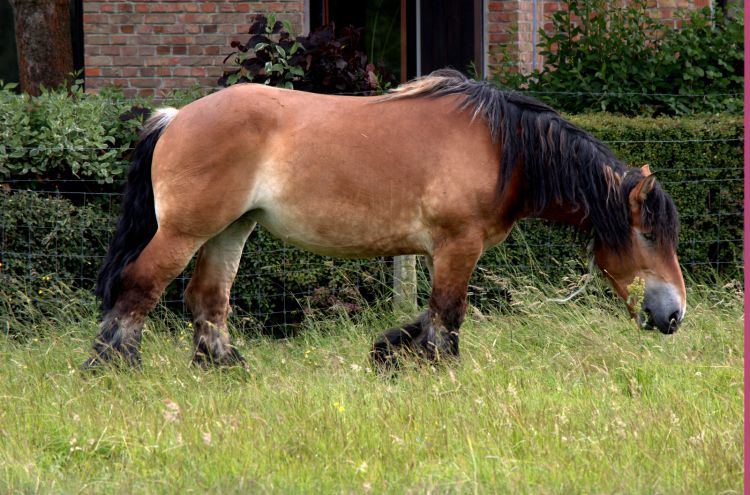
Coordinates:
(442, 166)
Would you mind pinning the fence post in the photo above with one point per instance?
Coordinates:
(405, 282)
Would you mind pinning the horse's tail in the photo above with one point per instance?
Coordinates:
(137, 224)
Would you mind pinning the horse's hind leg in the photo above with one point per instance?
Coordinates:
(142, 282)
(207, 294)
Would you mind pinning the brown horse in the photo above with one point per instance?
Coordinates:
(443, 166)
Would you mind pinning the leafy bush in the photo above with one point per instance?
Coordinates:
(276, 58)
(706, 56)
(321, 62)
(67, 135)
(61, 136)
(619, 59)
(49, 236)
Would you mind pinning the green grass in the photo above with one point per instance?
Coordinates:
(546, 399)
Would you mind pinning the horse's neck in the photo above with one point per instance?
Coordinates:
(565, 214)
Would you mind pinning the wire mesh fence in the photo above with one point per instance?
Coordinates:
(60, 229)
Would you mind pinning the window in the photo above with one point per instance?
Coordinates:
(433, 34)
(8, 57)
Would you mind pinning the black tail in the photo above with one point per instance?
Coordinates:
(137, 223)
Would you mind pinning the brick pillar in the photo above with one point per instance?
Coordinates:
(151, 47)
(510, 27)
(501, 19)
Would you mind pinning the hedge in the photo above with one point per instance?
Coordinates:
(617, 57)
(698, 160)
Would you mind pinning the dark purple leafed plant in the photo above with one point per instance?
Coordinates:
(322, 62)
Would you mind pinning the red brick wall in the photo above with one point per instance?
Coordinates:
(150, 47)
(510, 24)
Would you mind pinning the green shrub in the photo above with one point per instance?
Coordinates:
(600, 57)
(49, 236)
(61, 136)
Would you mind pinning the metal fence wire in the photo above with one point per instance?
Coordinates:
(63, 233)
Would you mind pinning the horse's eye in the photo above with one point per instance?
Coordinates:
(649, 236)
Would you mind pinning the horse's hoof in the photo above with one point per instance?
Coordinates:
(383, 356)
(233, 358)
(131, 360)
(91, 364)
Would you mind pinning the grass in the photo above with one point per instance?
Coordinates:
(546, 399)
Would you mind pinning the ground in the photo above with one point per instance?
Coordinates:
(546, 399)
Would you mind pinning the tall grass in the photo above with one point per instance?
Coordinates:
(547, 398)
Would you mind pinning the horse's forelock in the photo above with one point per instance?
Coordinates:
(658, 213)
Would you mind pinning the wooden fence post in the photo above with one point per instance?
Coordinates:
(405, 282)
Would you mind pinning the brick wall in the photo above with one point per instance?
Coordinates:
(511, 28)
(151, 47)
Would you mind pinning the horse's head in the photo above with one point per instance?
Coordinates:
(650, 255)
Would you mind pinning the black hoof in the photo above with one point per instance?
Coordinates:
(204, 359)
(91, 364)
(436, 347)
(383, 356)
(111, 358)
(385, 351)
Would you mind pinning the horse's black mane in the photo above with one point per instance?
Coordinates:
(563, 164)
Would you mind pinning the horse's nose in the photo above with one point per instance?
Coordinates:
(665, 324)
(663, 308)
(674, 322)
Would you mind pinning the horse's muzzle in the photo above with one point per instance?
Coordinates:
(666, 326)
(662, 308)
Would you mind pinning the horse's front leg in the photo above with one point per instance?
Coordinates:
(434, 335)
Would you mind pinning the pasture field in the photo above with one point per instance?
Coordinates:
(546, 399)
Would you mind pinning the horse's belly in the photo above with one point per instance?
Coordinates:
(339, 209)
(344, 235)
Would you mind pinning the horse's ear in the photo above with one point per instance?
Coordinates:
(642, 189)
(645, 170)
